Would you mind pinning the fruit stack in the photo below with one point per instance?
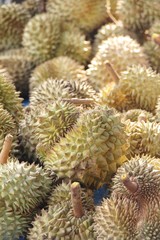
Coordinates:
(90, 70)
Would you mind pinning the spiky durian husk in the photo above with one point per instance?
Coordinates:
(113, 50)
(13, 18)
(138, 15)
(140, 87)
(85, 14)
(9, 97)
(73, 43)
(86, 153)
(133, 115)
(23, 187)
(116, 219)
(61, 67)
(19, 66)
(152, 49)
(31, 6)
(41, 36)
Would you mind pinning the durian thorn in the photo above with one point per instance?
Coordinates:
(131, 185)
(156, 38)
(108, 6)
(142, 117)
(76, 200)
(6, 149)
(42, 6)
(113, 72)
(79, 101)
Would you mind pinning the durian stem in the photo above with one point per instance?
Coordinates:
(79, 101)
(6, 149)
(113, 72)
(131, 186)
(108, 6)
(156, 38)
(142, 118)
(76, 200)
(42, 6)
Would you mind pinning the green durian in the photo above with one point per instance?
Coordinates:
(92, 150)
(152, 49)
(13, 18)
(138, 15)
(121, 51)
(85, 14)
(62, 67)
(133, 115)
(41, 37)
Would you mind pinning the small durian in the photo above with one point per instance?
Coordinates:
(133, 115)
(121, 51)
(72, 219)
(92, 151)
(138, 15)
(62, 67)
(85, 14)
(41, 37)
(13, 18)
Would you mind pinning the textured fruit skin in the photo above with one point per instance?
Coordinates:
(138, 15)
(123, 45)
(13, 18)
(59, 222)
(62, 67)
(86, 14)
(133, 115)
(31, 6)
(92, 150)
(140, 88)
(27, 185)
(41, 36)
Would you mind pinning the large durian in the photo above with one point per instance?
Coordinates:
(72, 219)
(85, 14)
(61, 67)
(41, 37)
(121, 51)
(13, 18)
(92, 150)
(138, 15)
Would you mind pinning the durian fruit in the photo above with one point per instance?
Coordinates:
(92, 150)
(13, 18)
(85, 14)
(31, 6)
(151, 48)
(138, 15)
(61, 67)
(73, 43)
(121, 51)
(137, 87)
(72, 219)
(9, 97)
(41, 37)
(116, 219)
(133, 115)
(19, 66)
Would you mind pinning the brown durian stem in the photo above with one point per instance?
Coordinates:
(79, 101)
(156, 38)
(142, 118)
(6, 149)
(42, 6)
(131, 186)
(76, 200)
(113, 72)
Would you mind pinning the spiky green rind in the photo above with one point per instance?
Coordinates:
(41, 36)
(85, 14)
(9, 97)
(73, 43)
(13, 18)
(138, 15)
(97, 71)
(61, 67)
(143, 138)
(92, 150)
(31, 6)
(116, 219)
(23, 187)
(133, 115)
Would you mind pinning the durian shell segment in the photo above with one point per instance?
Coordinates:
(41, 37)
(62, 67)
(138, 15)
(133, 115)
(85, 14)
(121, 52)
(23, 187)
(13, 18)
(92, 151)
(116, 219)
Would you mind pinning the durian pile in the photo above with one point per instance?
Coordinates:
(89, 71)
